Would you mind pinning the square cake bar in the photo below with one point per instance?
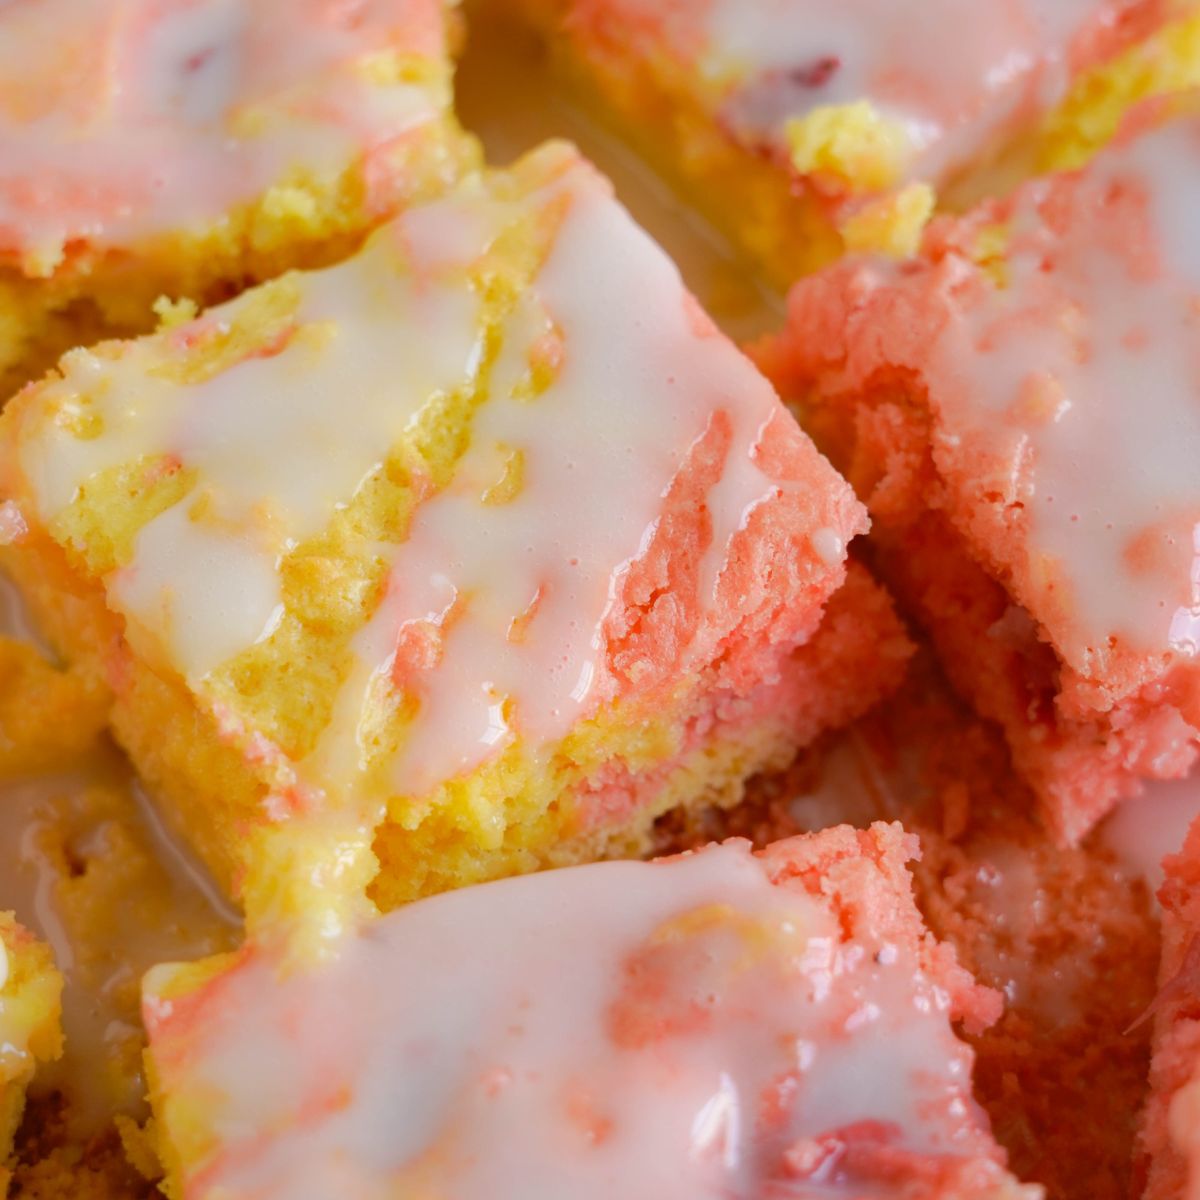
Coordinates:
(806, 128)
(1020, 409)
(483, 548)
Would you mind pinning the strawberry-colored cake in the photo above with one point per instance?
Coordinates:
(1067, 935)
(1020, 409)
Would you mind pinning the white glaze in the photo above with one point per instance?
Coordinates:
(600, 447)
(119, 121)
(208, 595)
(1108, 338)
(328, 408)
(955, 75)
(531, 1054)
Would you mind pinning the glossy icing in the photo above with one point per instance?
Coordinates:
(955, 76)
(15, 619)
(1144, 829)
(516, 595)
(679, 1029)
(1073, 391)
(205, 583)
(119, 121)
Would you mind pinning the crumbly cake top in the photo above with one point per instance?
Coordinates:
(495, 472)
(123, 120)
(946, 80)
(718, 1024)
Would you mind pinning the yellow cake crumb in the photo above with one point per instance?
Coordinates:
(30, 1030)
(1093, 112)
(853, 144)
(892, 225)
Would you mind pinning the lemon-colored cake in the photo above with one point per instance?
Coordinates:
(30, 999)
(194, 146)
(718, 1024)
(482, 550)
(807, 128)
